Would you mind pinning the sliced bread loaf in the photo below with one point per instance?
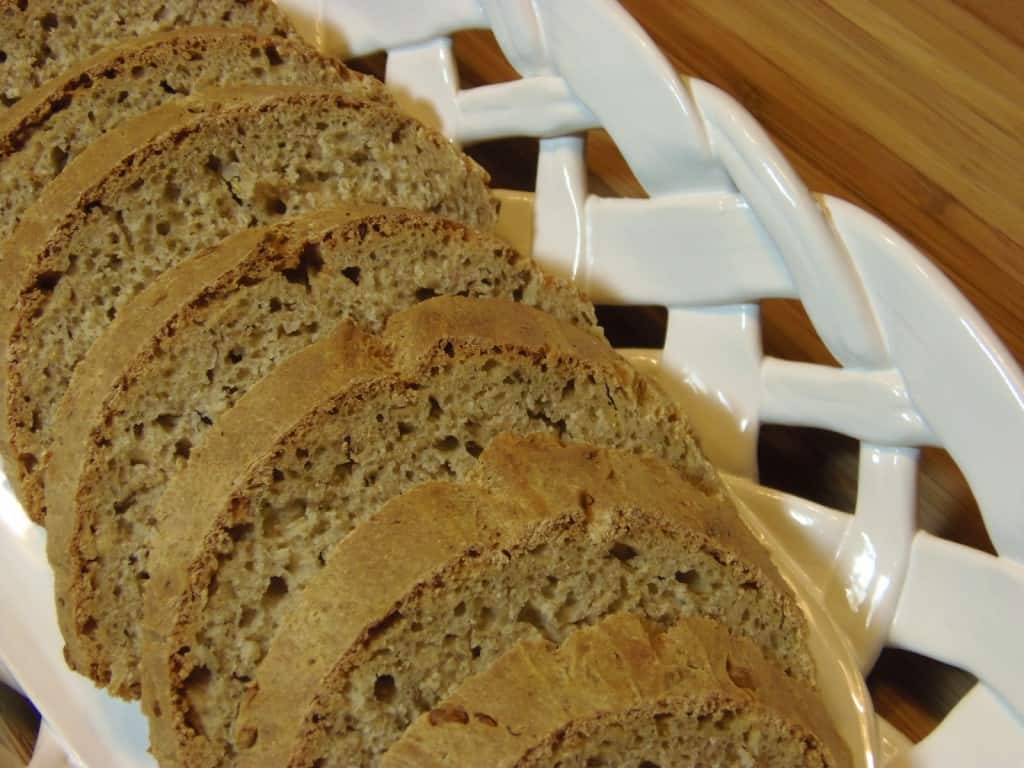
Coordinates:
(556, 537)
(52, 125)
(626, 692)
(39, 39)
(180, 178)
(247, 523)
(188, 347)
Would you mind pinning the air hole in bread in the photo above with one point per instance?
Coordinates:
(273, 56)
(124, 505)
(690, 578)
(168, 421)
(530, 614)
(239, 532)
(447, 444)
(422, 294)
(724, 720)
(622, 552)
(384, 688)
(198, 678)
(352, 274)
(58, 159)
(28, 461)
(277, 588)
(435, 409)
(47, 281)
(310, 262)
(559, 426)
(275, 206)
(183, 448)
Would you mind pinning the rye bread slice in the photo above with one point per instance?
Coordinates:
(542, 537)
(626, 692)
(39, 39)
(156, 189)
(48, 128)
(450, 374)
(188, 347)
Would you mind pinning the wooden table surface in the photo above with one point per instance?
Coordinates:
(913, 109)
(909, 108)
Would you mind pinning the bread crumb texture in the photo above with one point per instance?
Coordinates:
(141, 408)
(626, 692)
(39, 39)
(181, 178)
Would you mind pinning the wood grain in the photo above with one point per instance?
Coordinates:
(18, 725)
(913, 109)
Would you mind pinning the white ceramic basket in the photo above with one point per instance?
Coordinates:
(727, 223)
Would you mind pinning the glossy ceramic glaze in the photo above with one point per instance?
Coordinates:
(727, 223)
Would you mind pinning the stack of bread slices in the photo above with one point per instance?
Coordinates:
(331, 475)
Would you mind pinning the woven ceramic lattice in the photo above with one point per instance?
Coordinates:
(728, 223)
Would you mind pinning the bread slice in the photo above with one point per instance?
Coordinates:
(39, 39)
(180, 178)
(187, 348)
(253, 516)
(51, 126)
(626, 692)
(542, 537)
